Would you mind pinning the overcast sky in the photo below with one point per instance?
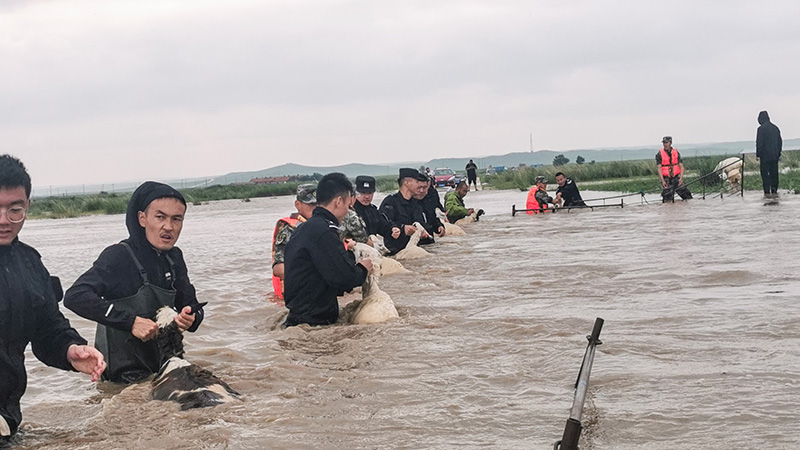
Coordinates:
(103, 91)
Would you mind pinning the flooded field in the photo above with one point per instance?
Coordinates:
(701, 339)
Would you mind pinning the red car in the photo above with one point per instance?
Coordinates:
(445, 177)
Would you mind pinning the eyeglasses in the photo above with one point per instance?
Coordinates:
(15, 214)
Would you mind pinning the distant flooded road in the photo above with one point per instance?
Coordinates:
(701, 339)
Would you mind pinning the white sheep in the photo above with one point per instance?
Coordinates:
(412, 251)
(376, 306)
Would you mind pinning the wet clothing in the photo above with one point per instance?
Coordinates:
(570, 194)
(674, 186)
(28, 313)
(375, 222)
(318, 269)
(472, 173)
(769, 146)
(115, 278)
(429, 203)
(353, 227)
(283, 232)
(400, 211)
(669, 162)
(454, 205)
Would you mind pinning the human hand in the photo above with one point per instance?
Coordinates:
(185, 319)
(144, 329)
(471, 210)
(395, 232)
(409, 229)
(86, 360)
(441, 231)
(367, 263)
(351, 244)
(663, 184)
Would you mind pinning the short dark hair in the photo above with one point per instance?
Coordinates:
(461, 184)
(333, 185)
(13, 174)
(560, 173)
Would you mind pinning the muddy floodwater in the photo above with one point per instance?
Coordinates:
(701, 344)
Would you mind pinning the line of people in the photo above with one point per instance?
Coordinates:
(312, 265)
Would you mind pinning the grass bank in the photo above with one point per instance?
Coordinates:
(117, 203)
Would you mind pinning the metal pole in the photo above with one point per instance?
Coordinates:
(572, 429)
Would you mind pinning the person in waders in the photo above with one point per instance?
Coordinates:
(131, 280)
(670, 170)
(29, 310)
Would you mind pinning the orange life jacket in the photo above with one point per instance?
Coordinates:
(670, 167)
(532, 203)
(277, 283)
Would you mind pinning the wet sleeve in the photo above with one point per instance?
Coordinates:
(336, 264)
(281, 239)
(453, 207)
(87, 296)
(186, 294)
(389, 211)
(53, 334)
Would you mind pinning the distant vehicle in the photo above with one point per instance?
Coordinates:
(445, 177)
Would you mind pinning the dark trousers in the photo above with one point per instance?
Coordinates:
(769, 176)
(472, 179)
(674, 186)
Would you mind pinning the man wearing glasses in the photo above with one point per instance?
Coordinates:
(29, 305)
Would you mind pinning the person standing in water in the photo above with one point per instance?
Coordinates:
(768, 152)
(131, 280)
(472, 174)
(670, 171)
(318, 266)
(29, 311)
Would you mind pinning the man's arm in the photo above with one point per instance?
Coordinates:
(335, 264)
(186, 296)
(86, 297)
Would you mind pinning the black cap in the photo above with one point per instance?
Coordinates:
(408, 173)
(422, 177)
(365, 184)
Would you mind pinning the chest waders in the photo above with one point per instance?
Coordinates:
(128, 358)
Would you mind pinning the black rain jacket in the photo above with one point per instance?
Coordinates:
(28, 313)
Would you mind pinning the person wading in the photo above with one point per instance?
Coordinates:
(537, 196)
(768, 152)
(304, 203)
(131, 280)
(29, 306)
(318, 266)
(670, 172)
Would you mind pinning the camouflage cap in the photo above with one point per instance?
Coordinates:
(305, 193)
(541, 179)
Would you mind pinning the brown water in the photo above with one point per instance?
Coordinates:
(701, 340)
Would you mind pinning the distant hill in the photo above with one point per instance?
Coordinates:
(508, 160)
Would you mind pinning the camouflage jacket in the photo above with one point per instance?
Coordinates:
(353, 227)
(283, 232)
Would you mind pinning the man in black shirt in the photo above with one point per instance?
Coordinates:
(402, 210)
(567, 192)
(472, 174)
(768, 152)
(29, 306)
(318, 266)
(375, 222)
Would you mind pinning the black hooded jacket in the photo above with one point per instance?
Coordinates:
(768, 139)
(114, 275)
(28, 313)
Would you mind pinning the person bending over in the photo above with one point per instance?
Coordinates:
(131, 280)
(318, 266)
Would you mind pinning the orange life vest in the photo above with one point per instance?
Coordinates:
(277, 283)
(670, 167)
(532, 203)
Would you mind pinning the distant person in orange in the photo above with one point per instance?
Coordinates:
(305, 203)
(537, 197)
(671, 172)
